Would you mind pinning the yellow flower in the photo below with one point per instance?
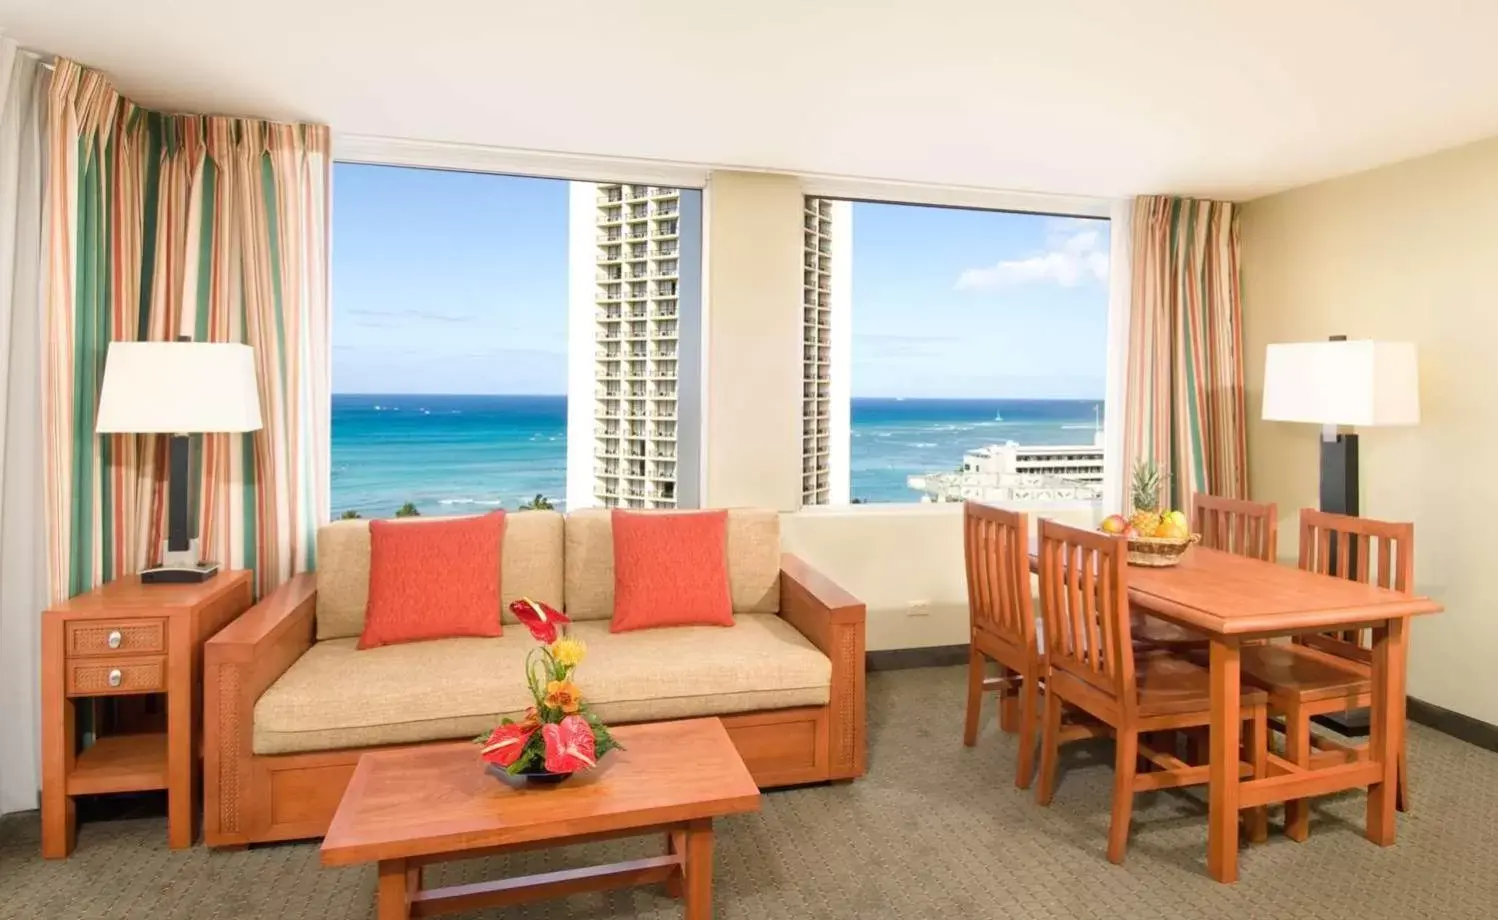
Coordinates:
(568, 651)
(564, 695)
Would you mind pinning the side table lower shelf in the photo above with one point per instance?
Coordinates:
(121, 763)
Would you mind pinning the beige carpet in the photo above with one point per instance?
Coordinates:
(934, 830)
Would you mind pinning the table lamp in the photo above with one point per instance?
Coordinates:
(178, 388)
(1340, 383)
(1333, 384)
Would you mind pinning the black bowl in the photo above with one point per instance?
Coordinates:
(538, 778)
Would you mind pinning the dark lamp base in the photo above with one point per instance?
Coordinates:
(179, 574)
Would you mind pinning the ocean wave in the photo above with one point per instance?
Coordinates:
(922, 444)
(498, 503)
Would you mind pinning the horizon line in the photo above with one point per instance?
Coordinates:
(1097, 399)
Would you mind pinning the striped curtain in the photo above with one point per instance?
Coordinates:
(169, 225)
(1184, 395)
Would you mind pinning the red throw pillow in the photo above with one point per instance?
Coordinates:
(671, 570)
(433, 579)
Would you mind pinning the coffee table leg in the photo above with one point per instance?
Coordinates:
(676, 844)
(699, 885)
(397, 883)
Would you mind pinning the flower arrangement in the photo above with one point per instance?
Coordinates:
(559, 735)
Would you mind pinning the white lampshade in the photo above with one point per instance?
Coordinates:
(178, 388)
(1359, 383)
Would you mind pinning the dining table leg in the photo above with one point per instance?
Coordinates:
(1386, 727)
(1222, 823)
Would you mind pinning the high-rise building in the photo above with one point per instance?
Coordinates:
(633, 385)
(827, 235)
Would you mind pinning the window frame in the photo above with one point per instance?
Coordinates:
(1116, 211)
(605, 170)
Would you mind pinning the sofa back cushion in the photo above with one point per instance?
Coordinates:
(753, 562)
(530, 560)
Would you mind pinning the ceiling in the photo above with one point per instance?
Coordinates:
(1222, 98)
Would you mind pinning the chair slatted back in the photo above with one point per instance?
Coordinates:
(1373, 552)
(1085, 603)
(996, 546)
(1236, 526)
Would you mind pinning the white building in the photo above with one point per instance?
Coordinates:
(827, 340)
(635, 313)
(1015, 473)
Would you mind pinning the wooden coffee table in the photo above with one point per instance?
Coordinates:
(406, 808)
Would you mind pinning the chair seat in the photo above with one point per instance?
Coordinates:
(1307, 673)
(1152, 632)
(1170, 685)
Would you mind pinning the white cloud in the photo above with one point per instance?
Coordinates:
(1070, 259)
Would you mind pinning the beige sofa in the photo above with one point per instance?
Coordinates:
(291, 703)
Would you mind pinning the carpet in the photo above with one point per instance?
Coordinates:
(933, 830)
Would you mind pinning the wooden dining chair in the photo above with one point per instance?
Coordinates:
(1091, 666)
(1332, 672)
(1233, 525)
(1236, 525)
(1001, 613)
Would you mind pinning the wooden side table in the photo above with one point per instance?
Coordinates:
(128, 638)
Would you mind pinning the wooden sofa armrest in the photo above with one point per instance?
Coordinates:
(832, 620)
(239, 663)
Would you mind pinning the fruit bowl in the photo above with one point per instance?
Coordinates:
(1159, 552)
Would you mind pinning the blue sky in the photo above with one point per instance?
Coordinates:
(447, 282)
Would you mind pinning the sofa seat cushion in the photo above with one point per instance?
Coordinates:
(336, 697)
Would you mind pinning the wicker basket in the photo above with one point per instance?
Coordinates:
(1159, 552)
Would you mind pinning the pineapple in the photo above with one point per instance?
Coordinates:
(1145, 497)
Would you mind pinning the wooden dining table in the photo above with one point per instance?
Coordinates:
(1230, 599)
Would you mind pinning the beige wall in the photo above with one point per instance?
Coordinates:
(1408, 253)
(752, 441)
(903, 561)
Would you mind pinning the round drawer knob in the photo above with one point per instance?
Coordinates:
(115, 638)
(116, 677)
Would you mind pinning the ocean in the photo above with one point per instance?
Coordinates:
(464, 454)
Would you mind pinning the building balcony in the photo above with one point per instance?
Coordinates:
(609, 236)
(638, 233)
(665, 210)
(664, 192)
(664, 251)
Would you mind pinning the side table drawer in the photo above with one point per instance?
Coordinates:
(121, 675)
(122, 637)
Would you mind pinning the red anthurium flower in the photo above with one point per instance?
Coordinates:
(569, 745)
(507, 742)
(541, 619)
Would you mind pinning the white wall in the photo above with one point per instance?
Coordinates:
(752, 426)
(1405, 253)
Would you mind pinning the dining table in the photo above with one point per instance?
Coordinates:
(1231, 599)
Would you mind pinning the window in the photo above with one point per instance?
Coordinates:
(952, 354)
(468, 307)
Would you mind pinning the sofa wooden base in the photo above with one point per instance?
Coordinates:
(293, 796)
(250, 798)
